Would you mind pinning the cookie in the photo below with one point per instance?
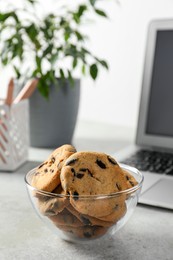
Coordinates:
(84, 233)
(65, 218)
(62, 149)
(47, 175)
(50, 205)
(90, 232)
(130, 180)
(116, 215)
(88, 220)
(90, 174)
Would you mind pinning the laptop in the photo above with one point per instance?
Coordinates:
(152, 152)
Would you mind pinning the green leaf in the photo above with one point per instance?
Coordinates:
(62, 22)
(81, 10)
(51, 77)
(70, 78)
(5, 16)
(19, 46)
(32, 1)
(17, 71)
(104, 64)
(79, 36)
(92, 2)
(76, 18)
(62, 73)
(33, 32)
(53, 58)
(71, 50)
(5, 60)
(100, 12)
(78, 14)
(84, 50)
(44, 86)
(66, 35)
(94, 71)
(38, 62)
(48, 26)
(14, 15)
(48, 50)
(36, 73)
(44, 91)
(74, 63)
(83, 69)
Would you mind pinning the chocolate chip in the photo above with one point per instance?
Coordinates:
(41, 165)
(45, 170)
(85, 220)
(132, 183)
(87, 234)
(118, 186)
(79, 175)
(127, 177)
(100, 164)
(52, 159)
(73, 170)
(90, 173)
(70, 162)
(112, 160)
(116, 207)
(75, 194)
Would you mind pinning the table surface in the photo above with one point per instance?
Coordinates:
(147, 235)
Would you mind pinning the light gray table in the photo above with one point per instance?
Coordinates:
(147, 235)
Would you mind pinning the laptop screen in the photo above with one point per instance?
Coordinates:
(155, 121)
(160, 106)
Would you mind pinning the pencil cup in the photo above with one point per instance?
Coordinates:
(14, 135)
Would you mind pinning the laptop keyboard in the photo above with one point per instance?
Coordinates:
(151, 161)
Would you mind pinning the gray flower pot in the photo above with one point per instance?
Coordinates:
(52, 122)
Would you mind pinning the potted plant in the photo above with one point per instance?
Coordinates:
(52, 48)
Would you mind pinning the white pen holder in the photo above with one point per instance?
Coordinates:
(14, 135)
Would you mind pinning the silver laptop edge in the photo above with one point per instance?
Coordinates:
(157, 188)
(143, 139)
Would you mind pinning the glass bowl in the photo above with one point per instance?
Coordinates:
(57, 212)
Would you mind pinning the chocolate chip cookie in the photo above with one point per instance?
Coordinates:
(85, 175)
(84, 233)
(52, 205)
(65, 218)
(47, 175)
(88, 220)
(117, 214)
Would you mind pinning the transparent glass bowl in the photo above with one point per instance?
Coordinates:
(57, 212)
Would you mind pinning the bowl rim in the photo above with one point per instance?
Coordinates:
(98, 196)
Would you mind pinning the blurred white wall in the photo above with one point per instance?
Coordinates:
(114, 97)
